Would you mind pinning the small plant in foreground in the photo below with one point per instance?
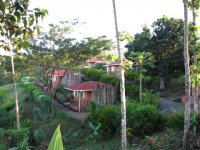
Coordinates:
(56, 140)
(95, 131)
(39, 136)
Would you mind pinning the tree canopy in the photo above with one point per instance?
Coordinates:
(165, 43)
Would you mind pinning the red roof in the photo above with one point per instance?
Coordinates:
(86, 86)
(58, 73)
(95, 60)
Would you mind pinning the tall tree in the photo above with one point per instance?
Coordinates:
(165, 43)
(122, 86)
(141, 59)
(186, 144)
(194, 6)
(87, 48)
(17, 24)
(48, 53)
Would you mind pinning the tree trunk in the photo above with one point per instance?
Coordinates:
(15, 86)
(195, 64)
(122, 87)
(162, 84)
(140, 82)
(186, 144)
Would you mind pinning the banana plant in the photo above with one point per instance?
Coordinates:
(95, 131)
(56, 140)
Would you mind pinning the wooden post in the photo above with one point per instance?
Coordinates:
(79, 101)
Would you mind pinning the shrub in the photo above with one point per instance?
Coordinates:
(26, 97)
(3, 93)
(60, 97)
(39, 136)
(91, 106)
(30, 88)
(108, 116)
(176, 120)
(60, 114)
(144, 119)
(18, 136)
(132, 90)
(148, 97)
(8, 105)
(100, 66)
(37, 93)
(99, 75)
(44, 102)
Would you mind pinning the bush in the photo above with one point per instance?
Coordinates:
(30, 88)
(39, 136)
(143, 119)
(44, 102)
(8, 105)
(99, 75)
(3, 92)
(176, 120)
(108, 116)
(132, 90)
(60, 97)
(100, 66)
(17, 136)
(148, 97)
(60, 114)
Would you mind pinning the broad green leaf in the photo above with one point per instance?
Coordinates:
(98, 127)
(56, 141)
(91, 126)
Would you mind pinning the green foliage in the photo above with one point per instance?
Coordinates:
(18, 23)
(3, 93)
(18, 136)
(148, 97)
(132, 90)
(56, 140)
(8, 105)
(39, 136)
(175, 120)
(100, 66)
(60, 114)
(6, 118)
(5, 78)
(60, 97)
(95, 135)
(165, 43)
(99, 75)
(141, 118)
(108, 117)
(170, 139)
(144, 119)
(40, 114)
(29, 87)
(91, 106)
(89, 47)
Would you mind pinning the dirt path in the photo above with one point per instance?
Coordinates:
(167, 106)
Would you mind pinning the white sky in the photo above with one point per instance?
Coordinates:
(98, 14)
